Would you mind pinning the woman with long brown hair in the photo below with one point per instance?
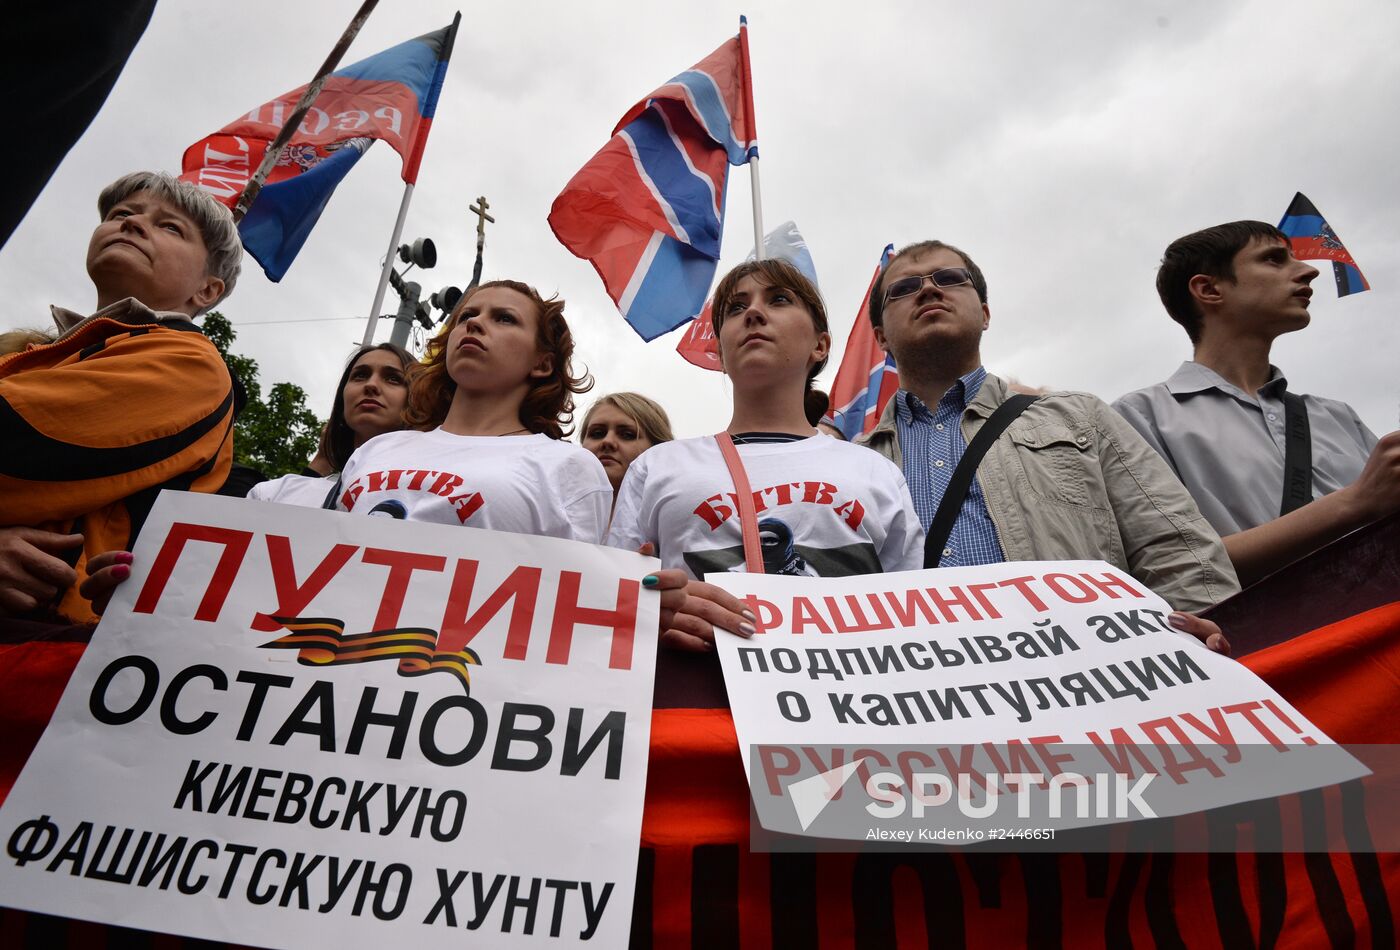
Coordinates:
(824, 507)
(488, 409)
(369, 401)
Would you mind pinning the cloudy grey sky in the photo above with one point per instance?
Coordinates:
(1062, 145)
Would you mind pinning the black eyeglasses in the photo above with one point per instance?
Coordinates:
(944, 277)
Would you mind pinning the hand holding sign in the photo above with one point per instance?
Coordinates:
(692, 611)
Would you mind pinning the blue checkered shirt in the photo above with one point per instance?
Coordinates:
(932, 444)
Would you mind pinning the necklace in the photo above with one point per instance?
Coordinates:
(512, 432)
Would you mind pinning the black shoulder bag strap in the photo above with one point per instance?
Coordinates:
(950, 507)
(1297, 454)
(333, 495)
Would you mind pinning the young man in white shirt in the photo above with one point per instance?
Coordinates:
(1221, 421)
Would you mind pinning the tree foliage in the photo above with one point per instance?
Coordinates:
(276, 434)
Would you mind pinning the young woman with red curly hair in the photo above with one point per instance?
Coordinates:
(488, 408)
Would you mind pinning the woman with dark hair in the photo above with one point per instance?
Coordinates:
(489, 407)
(823, 507)
(374, 395)
(370, 401)
(620, 426)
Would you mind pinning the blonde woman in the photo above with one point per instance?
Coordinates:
(621, 426)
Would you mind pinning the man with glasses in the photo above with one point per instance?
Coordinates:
(1066, 479)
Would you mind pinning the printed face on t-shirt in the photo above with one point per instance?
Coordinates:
(822, 508)
(526, 484)
(464, 500)
(834, 548)
(493, 345)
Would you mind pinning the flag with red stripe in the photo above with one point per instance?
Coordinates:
(867, 377)
(648, 209)
(1313, 239)
(390, 96)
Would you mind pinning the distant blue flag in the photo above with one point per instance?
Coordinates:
(1313, 239)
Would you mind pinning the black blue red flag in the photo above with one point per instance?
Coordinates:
(1313, 239)
(867, 377)
(648, 209)
(390, 96)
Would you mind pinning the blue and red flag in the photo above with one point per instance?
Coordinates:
(648, 209)
(390, 96)
(867, 377)
(1313, 239)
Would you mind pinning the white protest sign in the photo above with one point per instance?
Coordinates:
(1030, 696)
(440, 740)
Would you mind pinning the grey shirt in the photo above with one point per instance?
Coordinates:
(1227, 445)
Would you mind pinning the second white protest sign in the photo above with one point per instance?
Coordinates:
(1006, 699)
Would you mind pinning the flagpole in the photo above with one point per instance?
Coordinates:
(410, 180)
(758, 248)
(274, 151)
(388, 266)
(758, 254)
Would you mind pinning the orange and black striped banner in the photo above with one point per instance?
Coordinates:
(322, 641)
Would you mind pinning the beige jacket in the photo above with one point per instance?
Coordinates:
(1071, 480)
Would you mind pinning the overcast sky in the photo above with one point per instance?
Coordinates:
(1062, 145)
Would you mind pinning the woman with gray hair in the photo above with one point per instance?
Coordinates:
(123, 402)
(218, 260)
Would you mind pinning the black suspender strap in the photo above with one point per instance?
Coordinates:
(941, 528)
(1297, 454)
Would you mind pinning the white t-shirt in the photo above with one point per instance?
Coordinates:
(294, 490)
(825, 508)
(526, 484)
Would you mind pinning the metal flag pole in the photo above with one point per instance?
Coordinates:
(412, 173)
(388, 266)
(752, 124)
(274, 151)
(758, 248)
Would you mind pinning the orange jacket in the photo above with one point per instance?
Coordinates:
(95, 424)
